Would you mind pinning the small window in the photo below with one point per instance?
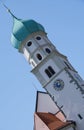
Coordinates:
(80, 116)
(38, 38)
(48, 50)
(29, 43)
(49, 71)
(39, 56)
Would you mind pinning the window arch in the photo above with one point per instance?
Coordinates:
(38, 37)
(47, 50)
(49, 71)
(39, 56)
(29, 43)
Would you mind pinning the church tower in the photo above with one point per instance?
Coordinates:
(53, 70)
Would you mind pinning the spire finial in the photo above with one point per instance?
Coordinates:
(8, 10)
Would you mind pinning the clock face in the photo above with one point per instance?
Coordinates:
(58, 84)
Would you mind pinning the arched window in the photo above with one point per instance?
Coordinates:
(39, 56)
(29, 43)
(47, 50)
(49, 71)
(38, 38)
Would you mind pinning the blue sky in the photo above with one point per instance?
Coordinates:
(63, 20)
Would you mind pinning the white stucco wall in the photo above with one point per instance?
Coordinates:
(69, 97)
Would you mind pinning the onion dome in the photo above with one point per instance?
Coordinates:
(22, 29)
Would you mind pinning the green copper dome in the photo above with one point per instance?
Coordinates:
(22, 29)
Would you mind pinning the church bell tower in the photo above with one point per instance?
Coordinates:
(53, 70)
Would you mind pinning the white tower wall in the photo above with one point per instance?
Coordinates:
(57, 76)
(37, 44)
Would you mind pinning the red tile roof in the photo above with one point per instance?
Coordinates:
(52, 122)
